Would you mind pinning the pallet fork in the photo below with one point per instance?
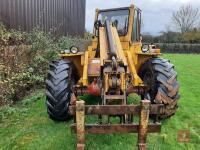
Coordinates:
(142, 128)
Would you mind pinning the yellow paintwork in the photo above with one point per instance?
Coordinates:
(129, 52)
(77, 60)
(118, 46)
(136, 79)
(106, 84)
(103, 46)
(71, 55)
(123, 81)
(85, 69)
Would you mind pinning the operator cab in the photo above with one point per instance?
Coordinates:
(127, 21)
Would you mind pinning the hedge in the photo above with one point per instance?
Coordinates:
(179, 48)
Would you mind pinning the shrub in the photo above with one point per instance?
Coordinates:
(25, 59)
(23, 67)
(67, 42)
(12, 37)
(43, 51)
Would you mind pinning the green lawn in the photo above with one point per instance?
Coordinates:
(27, 126)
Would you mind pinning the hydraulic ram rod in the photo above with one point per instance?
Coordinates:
(111, 46)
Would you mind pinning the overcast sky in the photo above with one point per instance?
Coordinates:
(156, 14)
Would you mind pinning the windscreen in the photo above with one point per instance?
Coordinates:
(119, 17)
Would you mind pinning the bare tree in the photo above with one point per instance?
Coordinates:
(186, 18)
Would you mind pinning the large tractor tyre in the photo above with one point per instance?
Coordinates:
(162, 86)
(58, 90)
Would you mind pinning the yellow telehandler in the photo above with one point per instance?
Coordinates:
(114, 65)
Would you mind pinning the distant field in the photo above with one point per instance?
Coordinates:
(27, 126)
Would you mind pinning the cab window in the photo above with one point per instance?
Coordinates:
(136, 26)
(120, 17)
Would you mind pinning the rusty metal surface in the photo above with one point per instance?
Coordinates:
(142, 146)
(94, 67)
(79, 90)
(80, 119)
(130, 89)
(80, 146)
(114, 97)
(111, 101)
(116, 128)
(116, 109)
(139, 90)
(142, 128)
(108, 110)
(143, 124)
(156, 109)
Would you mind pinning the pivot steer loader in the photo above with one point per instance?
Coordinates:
(115, 65)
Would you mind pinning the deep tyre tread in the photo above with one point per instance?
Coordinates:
(163, 85)
(58, 90)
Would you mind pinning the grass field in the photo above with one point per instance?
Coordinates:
(27, 126)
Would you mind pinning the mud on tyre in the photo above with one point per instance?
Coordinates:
(163, 88)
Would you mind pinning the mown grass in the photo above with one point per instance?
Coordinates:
(27, 126)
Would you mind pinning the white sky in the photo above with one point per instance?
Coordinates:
(156, 14)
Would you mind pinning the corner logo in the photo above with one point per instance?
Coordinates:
(183, 136)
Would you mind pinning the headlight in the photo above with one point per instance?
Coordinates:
(67, 51)
(62, 52)
(145, 48)
(74, 49)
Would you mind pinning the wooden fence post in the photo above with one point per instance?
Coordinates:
(80, 120)
(143, 124)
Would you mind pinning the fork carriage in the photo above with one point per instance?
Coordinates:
(80, 111)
